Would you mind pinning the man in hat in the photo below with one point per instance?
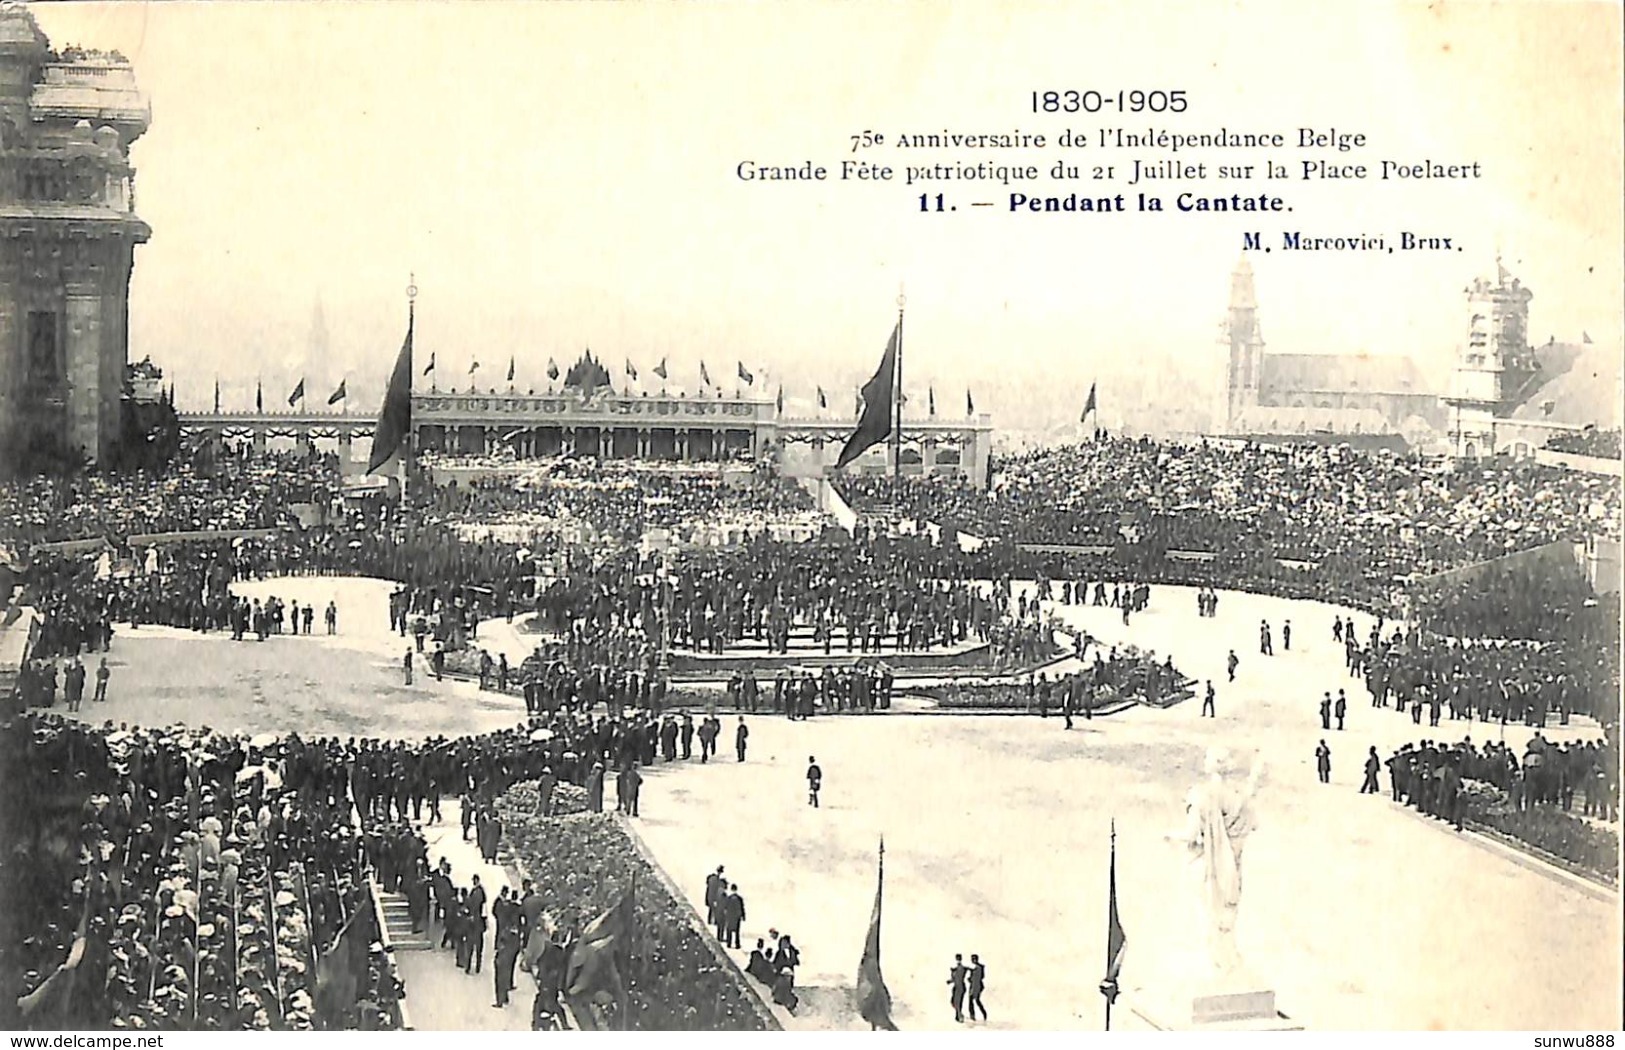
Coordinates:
(715, 886)
(476, 923)
(509, 939)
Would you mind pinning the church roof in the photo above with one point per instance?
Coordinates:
(1363, 372)
(1582, 385)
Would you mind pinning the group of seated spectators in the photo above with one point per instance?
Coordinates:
(1604, 444)
(171, 879)
(1393, 515)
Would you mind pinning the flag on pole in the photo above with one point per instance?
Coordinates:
(705, 377)
(875, 422)
(552, 369)
(1089, 405)
(217, 395)
(1585, 337)
(298, 394)
(259, 396)
(660, 369)
(781, 399)
(430, 366)
(874, 1001)
(600, 961)
(931, 400)
(746, 376)
(474, 366)
(1116, 939)
(340, 394)
(970, 406)
(630, 371)
(395, 418)
(823, 402)
(510, 368)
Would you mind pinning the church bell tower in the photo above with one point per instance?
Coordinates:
(1495, 366)
(1244, 342)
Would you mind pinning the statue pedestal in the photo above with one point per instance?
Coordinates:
(1223, 1012)
(1205, 1002)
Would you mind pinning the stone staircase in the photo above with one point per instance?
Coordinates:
(398, 924)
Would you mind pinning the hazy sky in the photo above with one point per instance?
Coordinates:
(562, 176)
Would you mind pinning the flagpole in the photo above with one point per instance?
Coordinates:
(897, 395)
(1112, 994)
(1108, 987)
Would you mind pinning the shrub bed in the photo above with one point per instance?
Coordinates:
(582, 865)
(1592, 848)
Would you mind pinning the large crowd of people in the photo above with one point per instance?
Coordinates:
(184, 878)
(1603, 444)
(1385, 514)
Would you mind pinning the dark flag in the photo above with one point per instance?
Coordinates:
(298, 394)
(823, 402)
(600, 961)
(630, 371)
(510, 368)
(1116, 939)
(395, 418)
(705, 377)
(931, 400)
(217, 397)
(874, 1001)
(1089, 405)
(341, 971)
(340, 394)
(430, 366)
(1585, 337)
(781, 399)
(660, 369)
(259, 396)
(970, 406)
(746, 376)
(474, 366)
(552, 369)
(875, 424)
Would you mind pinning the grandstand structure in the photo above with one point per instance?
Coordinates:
(595, 420)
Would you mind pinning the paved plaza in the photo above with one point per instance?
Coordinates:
(1358, 912)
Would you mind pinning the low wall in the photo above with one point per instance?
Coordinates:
(1611, 468)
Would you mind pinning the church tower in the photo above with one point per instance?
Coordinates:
(1244, 341)
(1495, 367)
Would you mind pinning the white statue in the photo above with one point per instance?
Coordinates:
(1219, 817)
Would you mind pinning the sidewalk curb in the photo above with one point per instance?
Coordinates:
(1524, 859)
(765, 1009)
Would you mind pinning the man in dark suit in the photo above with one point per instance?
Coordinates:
(509, 939)
(741, 735)
(958, 974)
(476, 924)
(715, 888)
(733, 917)
(978, 980)
(530, 911)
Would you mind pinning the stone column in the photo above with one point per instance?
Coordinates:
(928, 457)
(345, 437)
(259, 441)
(606, 443)
(83, 350)
(307, 444)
